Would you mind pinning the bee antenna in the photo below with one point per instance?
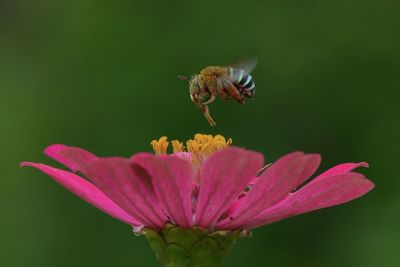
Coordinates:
(183, 78)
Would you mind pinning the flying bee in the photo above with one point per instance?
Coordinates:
(226, 82)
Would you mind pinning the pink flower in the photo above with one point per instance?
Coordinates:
(212, 186)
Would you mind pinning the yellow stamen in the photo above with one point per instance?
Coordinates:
(192, 146)
(202, 144)
(160, 146)
(207, 144)
(177, 146)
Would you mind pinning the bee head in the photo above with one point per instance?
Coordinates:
(194, 87)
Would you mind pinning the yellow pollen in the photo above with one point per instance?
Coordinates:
(177, 146)
(202, 144)
(160, 146)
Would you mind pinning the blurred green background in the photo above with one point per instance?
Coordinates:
(102, 75)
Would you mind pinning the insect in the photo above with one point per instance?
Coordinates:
(226, 82)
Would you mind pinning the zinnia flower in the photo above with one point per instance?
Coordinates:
(192, 205)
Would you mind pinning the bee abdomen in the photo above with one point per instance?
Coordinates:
(244, 82)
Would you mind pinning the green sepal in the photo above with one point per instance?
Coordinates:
(157, 244)
(195, 247)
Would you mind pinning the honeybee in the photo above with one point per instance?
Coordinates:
(226, 82)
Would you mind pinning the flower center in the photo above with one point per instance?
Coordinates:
(201, 145)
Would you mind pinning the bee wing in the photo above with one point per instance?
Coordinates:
(247, 65)
(241, 69)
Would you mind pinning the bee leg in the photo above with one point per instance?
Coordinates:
(224, 96)
(222, 93)
(233, 91)
(212, 87)
(209, 118)
(206, 112)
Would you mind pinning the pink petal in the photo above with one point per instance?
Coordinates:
(128, 185)
(73, 157)
(341, 169)
(173, 184)
(224, 176)
(326, 192)
(282, 177)
(86, 191)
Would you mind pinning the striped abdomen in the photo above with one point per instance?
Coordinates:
(243, 82)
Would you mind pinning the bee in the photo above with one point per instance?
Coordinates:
(229, 82)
